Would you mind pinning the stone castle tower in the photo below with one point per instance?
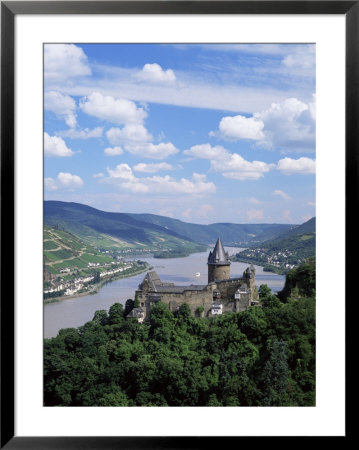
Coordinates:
(218, 264)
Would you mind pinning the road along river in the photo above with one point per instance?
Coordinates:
(74, 312)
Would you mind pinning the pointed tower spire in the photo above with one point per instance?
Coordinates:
(218, 263)
(219, 255)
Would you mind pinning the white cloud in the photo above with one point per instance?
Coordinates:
(168, 212)
(206, 151)
(261, 49)
(312, 107)
(152, 168)
(122, 171)
(113, 151)
(154, 151)
(187, 213)
(254, 201)
(191, 92)
(237, 168)
(129, 133)
(63, 106)
(69, 180)
(50, 184)
(115, 110)
(65, 180)
(86, 133)
(154, 73)
(62, 61)
(98, 175)
(296, 166)
(240, 127)
(230, 165)
(123, 176)
(281, 194)
(255, 214)
(306, 217)
(55, 146)
(203, 212)
(286, 215)
(287, 126)
(301, 57)
(311, 203)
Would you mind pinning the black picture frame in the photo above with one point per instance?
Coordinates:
(9, 9)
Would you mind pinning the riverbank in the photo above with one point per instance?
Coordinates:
(181, 271)
(266, 267)
(96, 287)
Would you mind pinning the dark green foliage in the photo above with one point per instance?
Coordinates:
(129, 305)
(263, 291)
(300, 282)
(116, 313)
(259, 357)
(275, 374)
(101, 317)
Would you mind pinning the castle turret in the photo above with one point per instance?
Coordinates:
(218, 263)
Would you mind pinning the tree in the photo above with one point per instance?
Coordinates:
(264, 291)
(101, 317)
(116, 313)
(253, 324)
(97, 277)
(117, 398)
(184, 314)
(129, 305)
(275, 375)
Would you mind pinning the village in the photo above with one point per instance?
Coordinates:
(277, 259)
(80, 284)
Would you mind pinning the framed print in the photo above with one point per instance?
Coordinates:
(176, 178)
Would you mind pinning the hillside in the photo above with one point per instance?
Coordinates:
(284, 253)
(105, 230)
(63, 249)
(70, 265)
(230, 233)
(300, 282)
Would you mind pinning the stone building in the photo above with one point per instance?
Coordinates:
(221, 294)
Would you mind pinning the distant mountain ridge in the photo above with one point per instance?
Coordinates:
(150, 229)
(286, 251)
(114, 230)
(230, 233)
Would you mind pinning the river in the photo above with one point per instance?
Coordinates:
(71, 313)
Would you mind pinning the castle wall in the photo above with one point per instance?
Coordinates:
(218, 272)
(220, 289)
(194, 299)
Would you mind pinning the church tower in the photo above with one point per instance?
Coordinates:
(218, 263)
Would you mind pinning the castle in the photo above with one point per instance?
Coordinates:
(221, 294)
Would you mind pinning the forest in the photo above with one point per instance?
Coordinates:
(264, 356)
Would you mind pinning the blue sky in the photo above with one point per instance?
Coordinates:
(202, 133)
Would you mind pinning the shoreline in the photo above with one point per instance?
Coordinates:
(96, 287)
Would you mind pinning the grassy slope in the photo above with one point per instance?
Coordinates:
(114, 230)
(63, 249)
(299, 241)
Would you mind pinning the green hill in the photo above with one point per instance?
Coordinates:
(64, 250)
(230, 233)
(106, 230)
(300, 282)
(150, 232)
(289, 250)
(72, 267)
